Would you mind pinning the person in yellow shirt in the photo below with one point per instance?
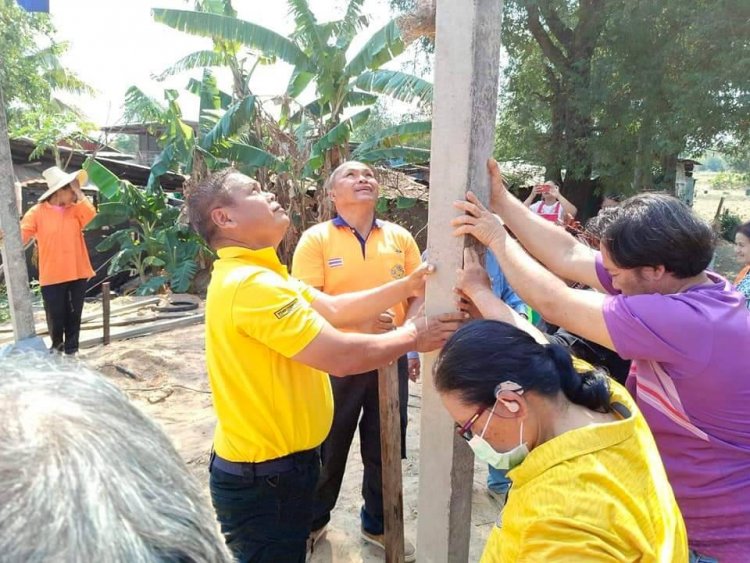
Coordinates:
(356, 251)
(587, 480)
(270, 341)
(57, 222)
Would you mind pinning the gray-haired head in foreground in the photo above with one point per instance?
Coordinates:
(85, 476)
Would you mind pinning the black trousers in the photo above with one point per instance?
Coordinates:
(356, 403)
(63, 305)
(267, 519)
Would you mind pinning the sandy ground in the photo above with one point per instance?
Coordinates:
(171, 385)
(165, 376)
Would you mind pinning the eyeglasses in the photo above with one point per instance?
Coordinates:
(464, 431)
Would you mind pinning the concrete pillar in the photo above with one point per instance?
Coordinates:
(14, 261)
(467, 59)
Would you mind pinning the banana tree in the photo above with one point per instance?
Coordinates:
(149, 240)
(317, 52)
(224, 134)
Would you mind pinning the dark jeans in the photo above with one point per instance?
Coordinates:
(352, 396)
(63, 305)
(267, 519)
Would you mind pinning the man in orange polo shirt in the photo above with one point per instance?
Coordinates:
(352, 252)
(57, 222)
(270, 340)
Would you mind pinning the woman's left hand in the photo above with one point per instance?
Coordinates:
(477, 221)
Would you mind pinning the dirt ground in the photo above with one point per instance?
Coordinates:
(168, 381)
(165, 375)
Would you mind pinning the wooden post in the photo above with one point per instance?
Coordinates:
(467, 61)
(14, 260)
(390, 453)
(105, 312)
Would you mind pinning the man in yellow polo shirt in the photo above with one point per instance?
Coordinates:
(269, 343)
(353, 252)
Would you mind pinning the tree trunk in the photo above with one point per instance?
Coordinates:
(669, 171)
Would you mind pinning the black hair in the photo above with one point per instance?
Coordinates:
(597, 225)
(659, 230)
(203, 197)
(744, 229)
(483, 354)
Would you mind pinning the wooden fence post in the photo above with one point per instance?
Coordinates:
(390, 453)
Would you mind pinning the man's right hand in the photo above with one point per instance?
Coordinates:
(433, 332)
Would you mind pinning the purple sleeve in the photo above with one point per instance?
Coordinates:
(604, 278)
(660, 328)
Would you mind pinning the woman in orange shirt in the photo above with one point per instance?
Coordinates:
(57, 222)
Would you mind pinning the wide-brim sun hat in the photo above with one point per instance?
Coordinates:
(57, 179)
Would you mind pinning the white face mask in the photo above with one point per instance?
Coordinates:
(499, 460)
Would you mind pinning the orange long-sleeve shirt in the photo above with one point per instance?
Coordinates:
(58, 231)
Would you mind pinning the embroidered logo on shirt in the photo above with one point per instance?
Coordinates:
(335, 262)
(287, 309)
(397, 272)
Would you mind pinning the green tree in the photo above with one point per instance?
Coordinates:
(31, 77)
(615, 90)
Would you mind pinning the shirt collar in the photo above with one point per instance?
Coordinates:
(579, 442)
(265, 257)
(340, 222)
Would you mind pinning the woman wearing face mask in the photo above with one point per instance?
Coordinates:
(588, 483)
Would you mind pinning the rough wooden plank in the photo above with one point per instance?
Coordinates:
(467, 57)
(159, 326)
(14, 261)
(390, 452)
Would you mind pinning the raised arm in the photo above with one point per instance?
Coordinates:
(567, 207)
(532, 196)
(545, 241)
(578, 311)
(85, 210)
(349, 309)
(473, 283)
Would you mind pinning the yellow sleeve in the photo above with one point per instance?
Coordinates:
(273, 311)
(28, 224)
(412, 257)
(564, 539)
(308, 263)
(308, 292)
